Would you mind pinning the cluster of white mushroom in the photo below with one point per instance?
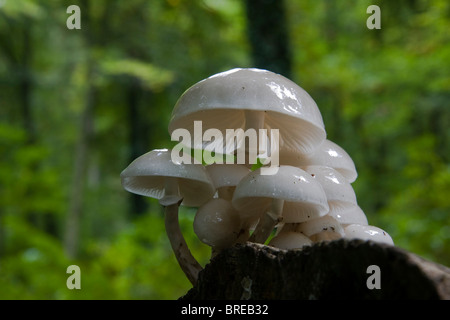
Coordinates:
(308, 198)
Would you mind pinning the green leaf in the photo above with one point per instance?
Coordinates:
(149, 75)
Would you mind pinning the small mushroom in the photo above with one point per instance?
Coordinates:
(251, 98)
(290, 240)
(356, 231)
(217, 224)
(225, 178)
(155, 175)
(321, 229)
(339, 192)
(289, 195)
(327, 154)
(349, 215)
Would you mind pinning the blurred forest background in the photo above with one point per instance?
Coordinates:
(77, 106)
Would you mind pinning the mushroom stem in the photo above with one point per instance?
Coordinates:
(243, 235)
(268, 221)
(187, 262)
(214, 252)
(171, 201)
(254, 119)
(244, 232)
(171, 193)
(225, 192)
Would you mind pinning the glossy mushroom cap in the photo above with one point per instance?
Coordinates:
(217, 223)
(303, 197)
(149, 174)
(290, 240)
(322, 228)
(349, 215)
(328, 154)
(225, 101)
(339, 192)
(356, 231)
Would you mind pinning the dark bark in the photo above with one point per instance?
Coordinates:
(138, 138)
(268, 35)
(334, 270)
(26, 87)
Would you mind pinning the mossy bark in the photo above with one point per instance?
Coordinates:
(333, 270)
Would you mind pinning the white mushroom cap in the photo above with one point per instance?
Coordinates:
(328, 154)
(217, 223)
(356, 231)
(349, 215)
(290, 240)
(227, 100)
(149, 174)
(303, 197)
(226, 175)
(339, 191)
(293, 157)
(322, 224)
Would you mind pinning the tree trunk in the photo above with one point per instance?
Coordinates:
(335, 270)
(138, 139)
(72, 228)
(73, 218)
(25, 88)
(268, 35)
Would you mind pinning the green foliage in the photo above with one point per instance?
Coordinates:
(384, 96)
(150, 76)
(33, 266)
(137, 264)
